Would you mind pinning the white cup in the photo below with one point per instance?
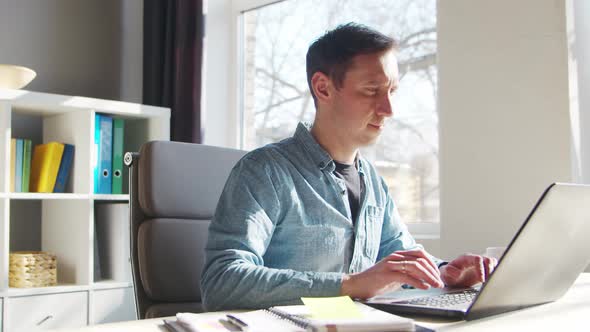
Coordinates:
(495, 252)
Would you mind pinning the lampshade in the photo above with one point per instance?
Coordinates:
(15, 77)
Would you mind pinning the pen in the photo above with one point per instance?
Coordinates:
(238, 322)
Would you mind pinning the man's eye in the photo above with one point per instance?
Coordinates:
(372, 92)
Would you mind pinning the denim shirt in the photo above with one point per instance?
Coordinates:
(283, 228)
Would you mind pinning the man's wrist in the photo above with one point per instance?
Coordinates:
(347, 285)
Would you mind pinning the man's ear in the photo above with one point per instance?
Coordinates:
(322, 86)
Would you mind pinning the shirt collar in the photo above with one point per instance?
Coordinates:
(320, 157)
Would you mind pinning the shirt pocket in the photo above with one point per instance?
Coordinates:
(373, 225)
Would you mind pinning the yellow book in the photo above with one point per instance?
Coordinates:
(44, 167)
(12, 163)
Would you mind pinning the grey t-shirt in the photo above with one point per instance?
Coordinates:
(350, 175)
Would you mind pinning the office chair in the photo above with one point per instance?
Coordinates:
(174, 188)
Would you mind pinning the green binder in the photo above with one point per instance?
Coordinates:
(27, 148)
(118, 132)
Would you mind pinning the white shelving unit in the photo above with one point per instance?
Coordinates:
(67, 224)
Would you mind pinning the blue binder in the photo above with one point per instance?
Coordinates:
(64, 169)
(103, 140)
(18, 177)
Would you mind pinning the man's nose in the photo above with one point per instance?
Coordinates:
(385, 108)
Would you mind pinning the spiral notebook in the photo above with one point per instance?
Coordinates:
(297, 319)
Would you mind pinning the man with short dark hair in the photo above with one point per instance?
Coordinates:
(309, 216)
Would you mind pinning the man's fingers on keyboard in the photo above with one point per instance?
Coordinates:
(417, 271)
(395, 257)
(433, 270)
(412, 258)
(419, 254)
(408, 279)
(452, 272)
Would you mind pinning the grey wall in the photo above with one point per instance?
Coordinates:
(505, 124)
(77, 47)
(131, 56)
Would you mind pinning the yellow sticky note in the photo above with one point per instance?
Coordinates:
(331, 307)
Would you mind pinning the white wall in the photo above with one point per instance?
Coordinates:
(222, 57)
(582, 33)
(504, 108)
(220, 118)
(89, 48)
(219, 58)
(578, 31)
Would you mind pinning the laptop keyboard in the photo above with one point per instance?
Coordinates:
(445, 300)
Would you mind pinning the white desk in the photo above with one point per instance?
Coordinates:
(570, 313)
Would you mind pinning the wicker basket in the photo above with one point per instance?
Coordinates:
(32, 269)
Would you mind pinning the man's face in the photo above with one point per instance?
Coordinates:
(363, 102)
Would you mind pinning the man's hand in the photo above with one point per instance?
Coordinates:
(467, 270)
(412, 267)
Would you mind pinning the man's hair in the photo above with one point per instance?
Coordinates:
(333, 52)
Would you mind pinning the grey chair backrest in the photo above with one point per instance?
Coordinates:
(174, 188)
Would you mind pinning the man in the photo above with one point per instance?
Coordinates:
(309, 216)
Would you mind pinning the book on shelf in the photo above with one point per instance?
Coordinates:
(20, 162)
(12, 163)
(27, 150)
(44, 166)
(97, 271)
(64, 169)
(18, 168)
(118, 134)
(108, 153)
(103, 146)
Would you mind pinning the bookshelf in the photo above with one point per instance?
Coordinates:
(67, 224)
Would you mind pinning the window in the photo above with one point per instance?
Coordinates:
(275, 95)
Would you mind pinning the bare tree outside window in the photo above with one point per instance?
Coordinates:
(276, 96)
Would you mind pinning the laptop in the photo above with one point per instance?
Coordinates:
(543, 260)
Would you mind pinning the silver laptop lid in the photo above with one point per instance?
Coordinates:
(545, 256)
